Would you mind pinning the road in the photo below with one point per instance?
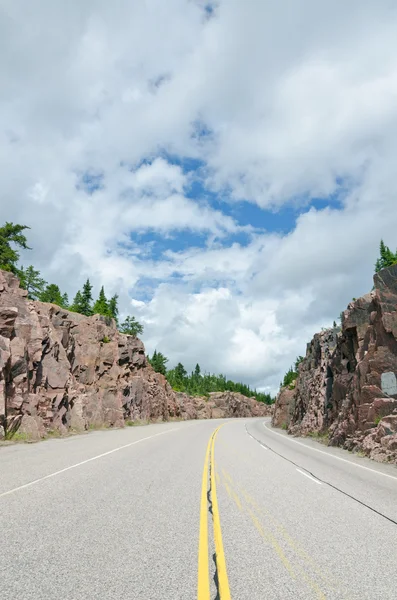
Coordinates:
(120, 515)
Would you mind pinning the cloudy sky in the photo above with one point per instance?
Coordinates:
(227, 167)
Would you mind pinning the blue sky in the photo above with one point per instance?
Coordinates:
(230, 178)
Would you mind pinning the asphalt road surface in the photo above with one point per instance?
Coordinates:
(203, 509)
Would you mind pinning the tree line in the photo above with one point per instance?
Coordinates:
(12, 238)
(197, 383)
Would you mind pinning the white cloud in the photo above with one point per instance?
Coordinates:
(281, 102)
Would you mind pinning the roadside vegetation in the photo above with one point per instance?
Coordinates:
(13, 239)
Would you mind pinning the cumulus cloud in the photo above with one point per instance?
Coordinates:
(275, 104)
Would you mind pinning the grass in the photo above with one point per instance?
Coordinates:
(322, 437)
(377, 420)
(284, 426)
(106, 339)
(137, 423)
(16, 436)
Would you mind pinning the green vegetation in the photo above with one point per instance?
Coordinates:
(198, 384)
(52, 293)
(386, 259)
(292, 374)
(131, 327)
(158, 362)
(32, 282)
(11, 238)
(320, 436)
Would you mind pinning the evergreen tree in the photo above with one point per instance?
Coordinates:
(77, 303)
(52, 293)
(386, 258)
(180, 372)
(113, 307)
(86, 299)
(101, 306)
(11, 233)
(31, 281)
(65, 300)
(131, 327)
(158, 362)
(197, 371)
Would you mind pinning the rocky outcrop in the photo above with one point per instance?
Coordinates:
(347, 384)
(63, 371)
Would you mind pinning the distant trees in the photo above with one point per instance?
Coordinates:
(198, 384)
(386, 257)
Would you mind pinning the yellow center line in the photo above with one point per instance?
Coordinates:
(223, 582)
(203, 581)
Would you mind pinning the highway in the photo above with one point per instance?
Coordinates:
(201, 509)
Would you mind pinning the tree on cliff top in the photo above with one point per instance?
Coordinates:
(52, 293)
(386, 259)
(101, 306)
(158, 362)
(31, 281)
(11, 233)
(113, 307)
(82, 302)
(131, 327)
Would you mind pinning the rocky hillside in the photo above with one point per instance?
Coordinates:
(347, 385)
(63, 371)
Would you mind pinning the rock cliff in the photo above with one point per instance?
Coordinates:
(347, 385)
(62, 371)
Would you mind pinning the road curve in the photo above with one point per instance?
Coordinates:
(121, 515)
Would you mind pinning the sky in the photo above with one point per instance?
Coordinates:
(228, 168)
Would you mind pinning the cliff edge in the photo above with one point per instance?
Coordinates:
(62, 371)
(346, 389)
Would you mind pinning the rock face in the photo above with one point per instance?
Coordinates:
(63, 371)
(347, 383)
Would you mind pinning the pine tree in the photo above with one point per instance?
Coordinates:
(65, 300)
(52, 294)
(386, 259)
(31, 281)
(101, 306)
(197, 371)
(77, 303)
(11, 233)
(158, 362)
(180, 372)
(86, 299)
(131, 327)
(113, 307)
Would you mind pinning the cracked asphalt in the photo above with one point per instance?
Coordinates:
(116, 514)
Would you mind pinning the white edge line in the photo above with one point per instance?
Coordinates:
(83, 462)
(309, 476)
(329, 455)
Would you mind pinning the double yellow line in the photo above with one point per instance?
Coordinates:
(203, 585)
